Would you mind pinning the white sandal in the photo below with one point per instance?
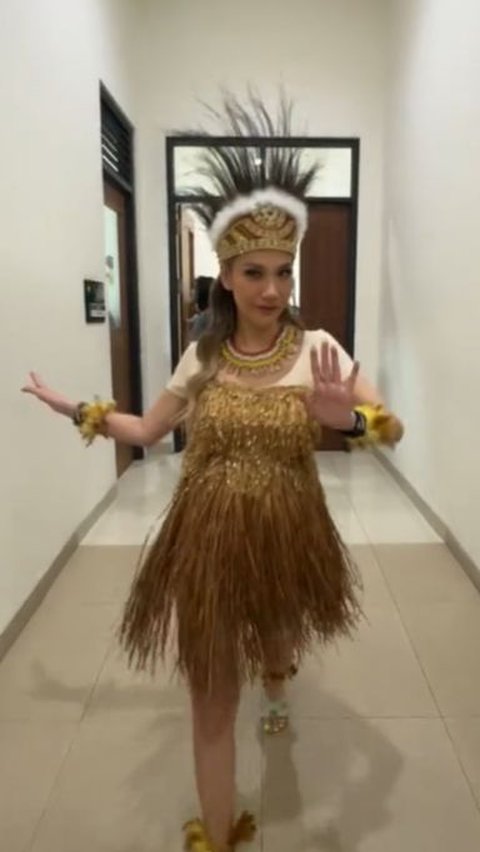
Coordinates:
(275, 719)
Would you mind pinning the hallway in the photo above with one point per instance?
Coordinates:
(384, 750)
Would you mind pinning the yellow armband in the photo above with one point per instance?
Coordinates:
(381, 427)
(90, 417)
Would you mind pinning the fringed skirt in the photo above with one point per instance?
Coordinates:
(237, 563)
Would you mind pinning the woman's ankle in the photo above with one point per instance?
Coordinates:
(275, 690)
(274, 682)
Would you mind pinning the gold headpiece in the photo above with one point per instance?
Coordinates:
(266, 219)
(263, 228)
(256, 193)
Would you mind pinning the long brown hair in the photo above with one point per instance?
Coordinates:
(221, 326)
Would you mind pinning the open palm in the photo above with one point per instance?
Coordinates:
(45, 394)
(332, 399)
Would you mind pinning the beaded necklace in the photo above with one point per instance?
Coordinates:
(260, 363)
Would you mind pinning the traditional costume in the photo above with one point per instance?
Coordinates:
(248, 551)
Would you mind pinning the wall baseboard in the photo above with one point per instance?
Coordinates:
(36, 596)
(458, 552)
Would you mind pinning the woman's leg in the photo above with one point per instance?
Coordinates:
(214, 716)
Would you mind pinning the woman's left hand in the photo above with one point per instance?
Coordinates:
(332, 400)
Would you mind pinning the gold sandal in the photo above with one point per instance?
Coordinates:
(197, 840)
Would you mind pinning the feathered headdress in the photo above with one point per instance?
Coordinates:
(256, 203)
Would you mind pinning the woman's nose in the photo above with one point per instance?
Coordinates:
(271, 287)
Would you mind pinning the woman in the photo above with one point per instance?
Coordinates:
(248, 562)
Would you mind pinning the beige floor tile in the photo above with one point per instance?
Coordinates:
(143, 493)
(123, 690)
(374, 675)
(327, 472)
(367, 786)
(127, 786)
(119, 690)
(125, 526)
(95, 575)
(73, 623)
(51, 669)
(447, 640)
(372, 491)
(346, 520)
(359, 467)
(424, 573)
(386, 525)
(465, 734)
(375, 590)
(344, 780)
(31, 754)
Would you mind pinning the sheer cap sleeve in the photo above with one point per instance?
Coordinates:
(185, 369)
(316, 338)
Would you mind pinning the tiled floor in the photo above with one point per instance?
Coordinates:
(384, 752)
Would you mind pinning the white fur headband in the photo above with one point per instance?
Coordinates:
(260, 198)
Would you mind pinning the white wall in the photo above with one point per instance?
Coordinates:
(330, 56)
(52, 55)
(430, 307)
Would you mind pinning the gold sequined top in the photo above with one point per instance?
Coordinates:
(248, 436)
(247, 432)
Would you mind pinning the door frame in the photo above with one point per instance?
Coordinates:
(263, 142)
(126, 185)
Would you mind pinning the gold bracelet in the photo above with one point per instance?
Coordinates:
(381, 427)
(90, 417)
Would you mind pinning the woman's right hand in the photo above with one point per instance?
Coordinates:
(54, 400)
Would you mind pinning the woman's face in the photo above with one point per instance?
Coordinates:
(261, 284)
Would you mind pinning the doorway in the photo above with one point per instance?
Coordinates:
(116, 280)
(326, 266)
(120, 266)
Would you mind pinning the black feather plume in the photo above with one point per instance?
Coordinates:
(238, 170)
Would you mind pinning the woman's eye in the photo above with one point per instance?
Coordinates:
(286, 273)
(253, 273)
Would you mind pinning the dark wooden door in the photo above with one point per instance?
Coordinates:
(116, 285)
(185, 271)
(325, 279)
(185, 251)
